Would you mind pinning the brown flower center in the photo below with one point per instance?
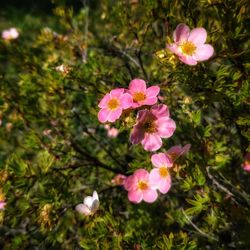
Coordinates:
(163, 171)
(173, 156)
(149, 126)
(188, 48)
(113, 104)
(142, 185)
(139, 96)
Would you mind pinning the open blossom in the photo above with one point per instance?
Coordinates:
(89, 205)
(246, 163)
(175, 152)
(2, 205)
(140, 188)
(119, 180)
(112, 105)
(190, 46)
(159, 176)
(141, 94)
(10, 34)
(151, 126)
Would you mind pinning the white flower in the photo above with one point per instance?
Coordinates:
(62, 68)
(89, 206)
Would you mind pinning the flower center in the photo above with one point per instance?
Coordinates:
(173, 156)
(188, 48)
(149, 126)
(142, 185)
(113, 104)
(163, 171)
(139, 96)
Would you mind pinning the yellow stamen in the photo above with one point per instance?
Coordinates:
(139, 96)
(188, 48)
(163, 171)
(113, 104)
(142, 185)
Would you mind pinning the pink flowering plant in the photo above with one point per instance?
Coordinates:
(124, 124)
(151, 125)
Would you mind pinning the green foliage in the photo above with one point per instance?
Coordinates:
(54, 152)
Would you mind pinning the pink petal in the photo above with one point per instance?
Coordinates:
(181, 32)
(141, 174)
(116, 93)
(174, 49)
(135, 105)
(159, 160)
(103, 115)
(104, 101)
(126, 101)
(175, 150)
(198, 36)
(188, 60)
(151, 142)
(113, 132)
(166, 127)
(178, 150)
(135, 196)
(247, 168)
(130, 183)
(83, 209)
(142, 114)
(149, 101)
(203, 52)
(160, 110)
(150, 195)
(137, 85)
(186, 148)
(152, 91)
(154, 177)
(165, 185)
(2, 205)
(114, 115)
(137, 135)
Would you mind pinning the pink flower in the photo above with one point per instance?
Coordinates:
(141, 94)
(2, 205)
(159, 176)
(175, 152)
(112, 132)
(112, 105)
(140, 188)
(151, 126)
(119, 180)
(10, 34)
(246, 163)
(189, 46)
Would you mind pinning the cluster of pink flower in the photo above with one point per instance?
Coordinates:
(151, 125)
(143, 185)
